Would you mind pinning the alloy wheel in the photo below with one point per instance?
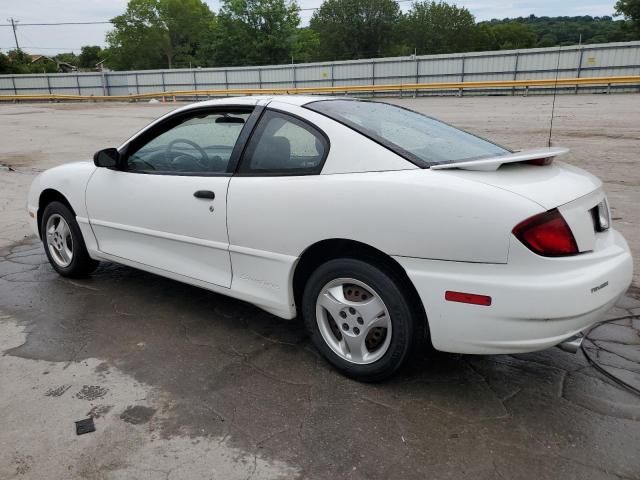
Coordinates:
(353, 320)
(59, 240)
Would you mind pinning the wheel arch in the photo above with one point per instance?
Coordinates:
(322, 251)
(47, 196)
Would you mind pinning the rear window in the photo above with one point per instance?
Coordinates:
(418, 138)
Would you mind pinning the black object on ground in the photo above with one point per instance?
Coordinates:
(85, 426)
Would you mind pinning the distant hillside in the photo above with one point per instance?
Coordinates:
(551, 31)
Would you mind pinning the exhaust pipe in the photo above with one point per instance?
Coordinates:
(571, 344)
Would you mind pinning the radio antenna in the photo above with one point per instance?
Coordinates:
(555, 91)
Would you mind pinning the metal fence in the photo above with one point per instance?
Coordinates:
(598, 60)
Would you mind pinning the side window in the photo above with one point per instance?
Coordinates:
(282, 144)
(201, 143)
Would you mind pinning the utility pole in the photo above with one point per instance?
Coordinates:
(15, 36)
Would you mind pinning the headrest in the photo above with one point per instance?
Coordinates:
(272, 153)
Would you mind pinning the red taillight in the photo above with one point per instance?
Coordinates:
(541, 161)
(467, 298)
(547, 234)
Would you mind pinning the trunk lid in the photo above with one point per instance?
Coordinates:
(570, 189)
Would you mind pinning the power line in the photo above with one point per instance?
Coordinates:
(54, 23)
(101, 22)
(41, 48)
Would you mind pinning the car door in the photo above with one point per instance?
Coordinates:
(279, 168)
(165, 205)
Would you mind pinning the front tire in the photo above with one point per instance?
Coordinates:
(63, 242)
(359, 318)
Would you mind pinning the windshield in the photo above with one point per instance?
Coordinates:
(420, 139)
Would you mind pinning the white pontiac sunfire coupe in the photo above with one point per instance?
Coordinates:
(380, 226)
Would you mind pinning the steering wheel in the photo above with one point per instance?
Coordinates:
(201, 162)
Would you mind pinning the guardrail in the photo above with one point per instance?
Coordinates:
(403, 87)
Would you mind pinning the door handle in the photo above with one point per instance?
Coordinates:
(205, 194)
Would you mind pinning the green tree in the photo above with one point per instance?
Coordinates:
(484, 38)
(631, 11)
(257, 32)
(547, 40)
(514, 35)
(18, 61)
(305, 44)
(4, 63)
(90, 55)
(159, 33)
(70, 58)
(436, 27)
(356, 28)
(550, 31)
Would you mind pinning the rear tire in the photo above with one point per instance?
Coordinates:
(63, 242)
(360, 318)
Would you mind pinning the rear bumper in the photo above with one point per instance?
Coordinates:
(537, 302)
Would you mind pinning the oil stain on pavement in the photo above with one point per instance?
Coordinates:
(178, 375)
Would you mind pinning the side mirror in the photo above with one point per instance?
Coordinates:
(108, 157)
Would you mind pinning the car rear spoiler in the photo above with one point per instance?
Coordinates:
(540, 156)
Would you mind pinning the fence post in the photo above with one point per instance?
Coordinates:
(195, 82)
(77, 75)
(260, 78)
(137, 83)
(462, 76)
(48, 83)
(13, 82)
(332, 77)
(164, 86)
(103, 81)
(373, 76)
(415, 92)
(226, 82)
(579, 69)
(515, 71)
(293, 66)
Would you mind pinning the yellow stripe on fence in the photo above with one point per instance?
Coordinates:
(550, 83)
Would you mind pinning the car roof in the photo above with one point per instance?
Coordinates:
(298, 100)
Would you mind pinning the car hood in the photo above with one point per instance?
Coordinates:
(549, 186)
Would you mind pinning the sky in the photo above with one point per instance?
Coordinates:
(55, 39)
